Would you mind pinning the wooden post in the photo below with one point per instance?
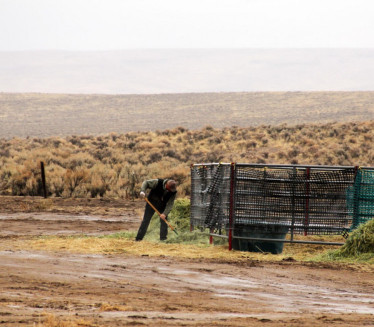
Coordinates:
(43, 179)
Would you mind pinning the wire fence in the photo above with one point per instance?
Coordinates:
(280, 199)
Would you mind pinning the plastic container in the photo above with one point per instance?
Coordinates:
(260, 231)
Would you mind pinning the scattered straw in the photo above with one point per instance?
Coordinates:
(50, 320)
(107, 245)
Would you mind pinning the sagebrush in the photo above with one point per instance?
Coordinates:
(114, 165)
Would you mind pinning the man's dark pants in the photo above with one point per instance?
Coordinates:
(148, 213)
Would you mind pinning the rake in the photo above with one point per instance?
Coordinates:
(159, 214)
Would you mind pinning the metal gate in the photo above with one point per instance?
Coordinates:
(294, 199)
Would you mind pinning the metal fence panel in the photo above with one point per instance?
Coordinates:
(306, 200)
(210, 186)
(302, 199)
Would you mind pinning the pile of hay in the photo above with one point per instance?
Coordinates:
(358, 248)
(360, 241)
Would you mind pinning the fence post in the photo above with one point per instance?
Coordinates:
(356, 197)
(231, 213)
(192, 197)
(43, 179)
(293, 201)
(307, 195)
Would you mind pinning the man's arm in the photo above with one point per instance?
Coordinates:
(169, 205)
(149, 184)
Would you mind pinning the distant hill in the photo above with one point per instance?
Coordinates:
(187, 71)
(43, 115)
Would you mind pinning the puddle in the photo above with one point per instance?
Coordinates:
(261, 290)
(285, 297)
(61, 217)
(190, 316)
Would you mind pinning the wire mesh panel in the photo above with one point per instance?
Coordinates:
(210, 186)
(328, 208)
(304, 199)
(279, 199)
(265, 198)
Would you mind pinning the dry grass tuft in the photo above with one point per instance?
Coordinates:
(50, 320)
(114, 307)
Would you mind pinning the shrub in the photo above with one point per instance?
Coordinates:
(26, 180)
(5, 181)
(125, 160)
(55, 185)
(73, 179)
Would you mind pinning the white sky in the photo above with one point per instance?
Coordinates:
(126, 24)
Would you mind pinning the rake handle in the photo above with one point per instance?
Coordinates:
(159, 214)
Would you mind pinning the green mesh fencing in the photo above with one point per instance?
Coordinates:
(360, 197)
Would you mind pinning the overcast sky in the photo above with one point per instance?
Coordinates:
(129, 24)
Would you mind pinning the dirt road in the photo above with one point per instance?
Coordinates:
(121, 289)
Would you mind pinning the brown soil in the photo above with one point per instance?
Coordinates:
(122, 289)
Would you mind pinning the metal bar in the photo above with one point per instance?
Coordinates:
(282, 180)
(208, 164)
(329, 168)
(293, 203)
(286, 241)
(284, 212)
(298, 223)
(192, 200)
(298, 195)
(356, 203)
(231, 210)
(218, 235)
(291, 241)
(298, 166)
(279, 240)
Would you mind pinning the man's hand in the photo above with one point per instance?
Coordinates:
(142, 194)
(162, 216)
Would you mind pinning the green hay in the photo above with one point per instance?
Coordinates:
(125, 234)
(360, 240)
(359, 246)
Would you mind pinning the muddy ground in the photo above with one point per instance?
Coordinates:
(122, 289)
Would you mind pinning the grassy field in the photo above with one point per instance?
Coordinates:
(44, 115)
